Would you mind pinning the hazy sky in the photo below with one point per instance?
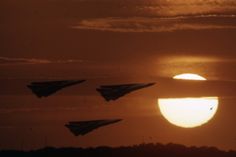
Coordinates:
(111, 41)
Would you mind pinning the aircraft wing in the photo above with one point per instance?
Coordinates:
(44, 89)
(114, 92)
(84, 127)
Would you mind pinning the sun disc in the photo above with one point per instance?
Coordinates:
(188, 112)
(189, 76)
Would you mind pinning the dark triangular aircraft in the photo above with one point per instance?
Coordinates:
(84, 127)
(44, 89)
(113, 92)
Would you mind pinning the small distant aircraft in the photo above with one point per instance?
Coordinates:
(113, 92)
(45, 89)
(84, 127)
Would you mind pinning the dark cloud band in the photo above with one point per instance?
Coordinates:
(17, 61)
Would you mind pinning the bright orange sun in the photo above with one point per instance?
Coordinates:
(188, 112)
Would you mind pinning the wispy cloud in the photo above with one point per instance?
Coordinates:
(17, 61)
(18, 110)
(164, 24)
(188, 7)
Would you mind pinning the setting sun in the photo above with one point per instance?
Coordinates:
(188, 112)
(189, 76)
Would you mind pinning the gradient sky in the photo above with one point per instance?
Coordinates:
(111, 41)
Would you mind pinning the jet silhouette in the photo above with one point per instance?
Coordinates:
(114, 92)
(45, 89)
(84, 127)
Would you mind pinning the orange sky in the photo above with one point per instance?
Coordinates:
(111, 42)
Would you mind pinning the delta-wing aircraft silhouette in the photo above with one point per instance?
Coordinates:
(45, 89)
(84, 127)
(114, 92)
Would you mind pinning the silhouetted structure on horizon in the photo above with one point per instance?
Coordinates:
(84, 127)
(114, 92)
(47, 88)
(143, 150)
